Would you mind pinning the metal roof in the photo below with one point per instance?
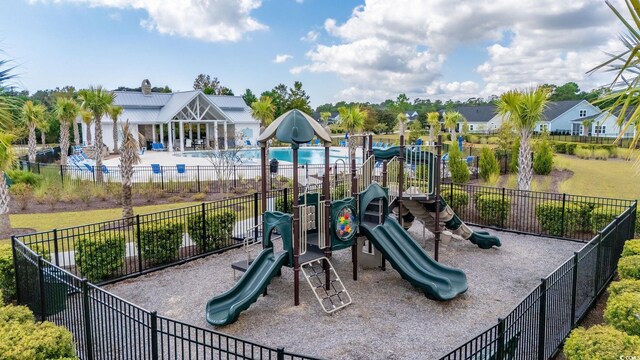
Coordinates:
(240, 117)
(140, 115)
(223, 101)
(138, 99)
(177, 102)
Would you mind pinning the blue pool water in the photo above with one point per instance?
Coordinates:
(306, 155)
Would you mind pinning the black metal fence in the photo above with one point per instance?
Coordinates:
(184, 179)
(537, 327)
(53, 284)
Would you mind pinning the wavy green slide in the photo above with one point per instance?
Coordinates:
(225, 308)
(437, 281)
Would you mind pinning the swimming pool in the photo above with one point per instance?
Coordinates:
(306, 155)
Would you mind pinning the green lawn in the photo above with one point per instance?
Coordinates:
(613, 178)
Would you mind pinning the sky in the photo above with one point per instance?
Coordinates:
(348, 50)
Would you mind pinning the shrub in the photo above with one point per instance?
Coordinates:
(629, 267)
(601, 217)
(488, 164)
(559, 147)
(36, 341)
(25, 177)
(543, 159)
(624, 286)
(100, 256)
(599, 342)
(583, 153)
(484, 141)
(600, 154)
(160, 243)
(458, 166)
(280, 202)
(22, 194)
(15, 315)
(571, 148)
(174, 199)
(631, 247)
(7, 275)
(515, 150)
(493, 140)
(198, 197)
(622, 312)
(474, 139)
(456, 198)
(549, 215)
(218, 226)
(492, 209)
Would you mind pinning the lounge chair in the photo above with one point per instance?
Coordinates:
(156, 168)
(247, 142)
(89, 167)
(470, 160)
(180, 168)
(142, 151)
(317, 142)
(445, 157)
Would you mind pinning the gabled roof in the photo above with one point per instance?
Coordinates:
(138, 99)
(557, 108)
(482, 113)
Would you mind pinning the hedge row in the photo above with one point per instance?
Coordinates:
(493, 208)
(621, 337)
(456, 198)
(25, 339)
(578, 216)
(7, 275)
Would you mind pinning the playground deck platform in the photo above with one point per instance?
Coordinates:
(389, 319)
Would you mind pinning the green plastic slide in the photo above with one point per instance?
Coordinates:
(437, 281)
(225, 308)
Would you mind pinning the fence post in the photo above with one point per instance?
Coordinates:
(43, 303)
(87, 319)
(502, 209)
(280, 352)
(198, 177)
(161, 178)
(542, 322)
(139, 242)
(61, 176)
(235, 178)
(501, 330)
(204, 228)
(154, 335)
(574, 289)
(55, 247)
(564, 204)
(286, 196)
(451, 194)
(14, 239)
(596, 276)
(256, 214)
(29, 166)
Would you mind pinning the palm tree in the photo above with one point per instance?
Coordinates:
(623, 100)
(352, 119)
(114, 114)
(87, 119)
(451, 120)
(402, 122)
(66, 111)
(97, 101)
(32, 114)
(6, 160)
(433, 119)
(263, 110)
(325, 117)
(524, 109)
(586, 126)
(128, 158)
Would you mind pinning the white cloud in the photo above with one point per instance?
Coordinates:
(115, 16)
(280, 58)
(311, 36)
(208, 20)
(388, 47)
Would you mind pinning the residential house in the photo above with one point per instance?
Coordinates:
(605, 124)
(481, 119)
(182, 118)
(411, 115)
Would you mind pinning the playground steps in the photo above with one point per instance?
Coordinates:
(418, 210)
(337, 296)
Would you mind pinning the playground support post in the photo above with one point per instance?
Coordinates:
(263, 182)
(327, 198)
(369, 147)
(436, 231)
(296, 229)
(354, 193)
(401, 180)
(385, 180)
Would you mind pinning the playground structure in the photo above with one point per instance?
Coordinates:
(402, 178)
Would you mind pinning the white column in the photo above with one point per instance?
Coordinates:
(215, 135)
(171, 133)
(207, 134)
(153, 133)
(190, 132)
(226, 139)
(162, 133)
(199, 131)
(181, 136)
